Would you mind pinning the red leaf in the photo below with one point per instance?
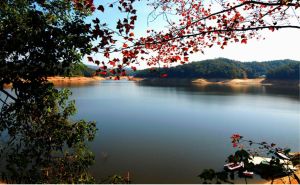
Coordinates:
(164, 75)
(112, 71)
(177, 57)
(90, 59)
(147, 45)
(104, 73)
(101, 8)
(272, 28)
(113, 63)
(131, 34)
(133, 68)
(96, 21)
(244, 41)
(95, 49)
(106, 54)
(123, 73)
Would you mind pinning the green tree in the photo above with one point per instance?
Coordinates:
(40, 38)
(44, 145)
(40, 144)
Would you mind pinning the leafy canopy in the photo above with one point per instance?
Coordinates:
(39, 141)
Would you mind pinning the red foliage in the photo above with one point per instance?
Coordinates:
(101, 8)
(201, 26)
(164, 75)
(235, 138)
(133, 68)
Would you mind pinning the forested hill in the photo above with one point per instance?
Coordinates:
(226, 68)
(80, 69)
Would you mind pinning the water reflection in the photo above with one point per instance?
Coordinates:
(68, 84)
(213, 89)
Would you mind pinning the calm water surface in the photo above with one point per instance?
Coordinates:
(169, 134)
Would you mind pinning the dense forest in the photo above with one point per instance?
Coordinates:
(289, 71)
(80, 69)
(226, 68)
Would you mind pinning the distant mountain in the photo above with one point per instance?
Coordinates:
(223, 68)
(81, 69)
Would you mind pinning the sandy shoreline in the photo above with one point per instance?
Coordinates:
(61, 81)
(256, 81)
(77, 81)
(230, 82)
(56, 79)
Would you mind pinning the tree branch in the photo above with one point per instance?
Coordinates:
(243, 4)
(234, 30)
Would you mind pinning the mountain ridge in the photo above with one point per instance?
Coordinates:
(227, 68)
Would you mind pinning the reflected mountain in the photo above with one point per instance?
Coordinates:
(225, 89)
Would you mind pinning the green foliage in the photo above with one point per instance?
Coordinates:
(211, 176)
(218, 68)
(207, 174)
(39, 142)
(40, 38)
(115, 179)
(45, 146)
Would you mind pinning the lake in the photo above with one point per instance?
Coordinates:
(169, 134)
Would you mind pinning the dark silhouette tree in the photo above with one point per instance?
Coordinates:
(277, 162)
(39, 143)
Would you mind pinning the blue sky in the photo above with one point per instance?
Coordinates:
(281, 44)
